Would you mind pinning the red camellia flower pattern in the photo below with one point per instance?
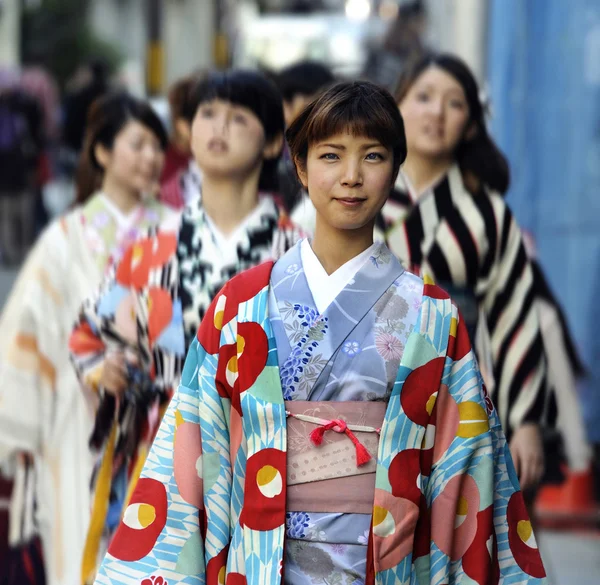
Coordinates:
(521, 539)
(416, 398)
(264, 502)
(154, 581)
(143, 521)
(140, 258)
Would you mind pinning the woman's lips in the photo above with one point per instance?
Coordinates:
(217, 145)
(350, 201)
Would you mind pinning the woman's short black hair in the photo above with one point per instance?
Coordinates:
(305, 78)
(251, 90)
(359, 107)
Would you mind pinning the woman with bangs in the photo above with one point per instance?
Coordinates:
(130, 342)
(331, 425)
(447, 219)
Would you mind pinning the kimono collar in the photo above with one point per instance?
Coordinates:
(194, 212)
(289, 291)
(405, 190)
(326, 287)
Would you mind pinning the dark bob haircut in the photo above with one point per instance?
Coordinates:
(478, 157)
(304, 78)
(107, 116)
(359, 107)
(254, 91)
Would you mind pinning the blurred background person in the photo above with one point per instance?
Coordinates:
(178, 152)
(447, 219)
(39, 83)
(166, 282)
(181, 184)
(21, 145)
(92, 83)
(403, 43)
(567, 451)
(299, 84)
(45, 422)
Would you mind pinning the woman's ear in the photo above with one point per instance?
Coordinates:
(301, 172)
(183, 129)
(471, 131)
(102, 155)
(273, 148)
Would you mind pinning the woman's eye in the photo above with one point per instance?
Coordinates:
(457, 104)
(329, 156)
(206, 112)
(239, 118)
(374, 156)
(422, 96)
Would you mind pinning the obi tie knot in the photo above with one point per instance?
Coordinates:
(340, 426)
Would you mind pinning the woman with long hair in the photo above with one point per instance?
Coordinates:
(131, 340)
(44, 419)
(447, 219)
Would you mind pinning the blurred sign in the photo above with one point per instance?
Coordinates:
(276, 41)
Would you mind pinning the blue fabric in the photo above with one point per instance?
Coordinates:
(544, 75)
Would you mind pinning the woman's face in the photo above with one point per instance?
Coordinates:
(135, 160)
(435, 114)
(228, 140)
(348, 179)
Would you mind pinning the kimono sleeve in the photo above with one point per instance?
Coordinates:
(163, 531)
(473, 526)
(34, 328)
(519, 364)
(87, 344)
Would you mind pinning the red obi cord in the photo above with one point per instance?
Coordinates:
(340, 426)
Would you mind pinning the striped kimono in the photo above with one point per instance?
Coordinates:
(471, 246)
(229, 494)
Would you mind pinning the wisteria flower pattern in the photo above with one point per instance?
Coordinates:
(296, 524)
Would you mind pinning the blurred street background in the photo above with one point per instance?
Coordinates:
(537, 60)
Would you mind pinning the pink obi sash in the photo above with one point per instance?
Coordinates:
(332, 455)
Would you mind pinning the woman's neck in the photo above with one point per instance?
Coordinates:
(228, 201)
(125, 199)
(334, 247)
(423, 172)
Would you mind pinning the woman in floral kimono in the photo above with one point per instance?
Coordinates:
(44, 417)
(130, 343)
(447, 219)
(331, 425)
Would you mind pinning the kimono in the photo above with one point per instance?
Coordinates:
(356, 445)
(43, 414)
(472, 247)
(183, 187)
(150, 307)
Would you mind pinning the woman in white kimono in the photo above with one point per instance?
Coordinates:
(331, 425)
(44, 417)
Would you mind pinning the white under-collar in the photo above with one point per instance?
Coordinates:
(124, 220)
(227, 244)
(326, 287)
